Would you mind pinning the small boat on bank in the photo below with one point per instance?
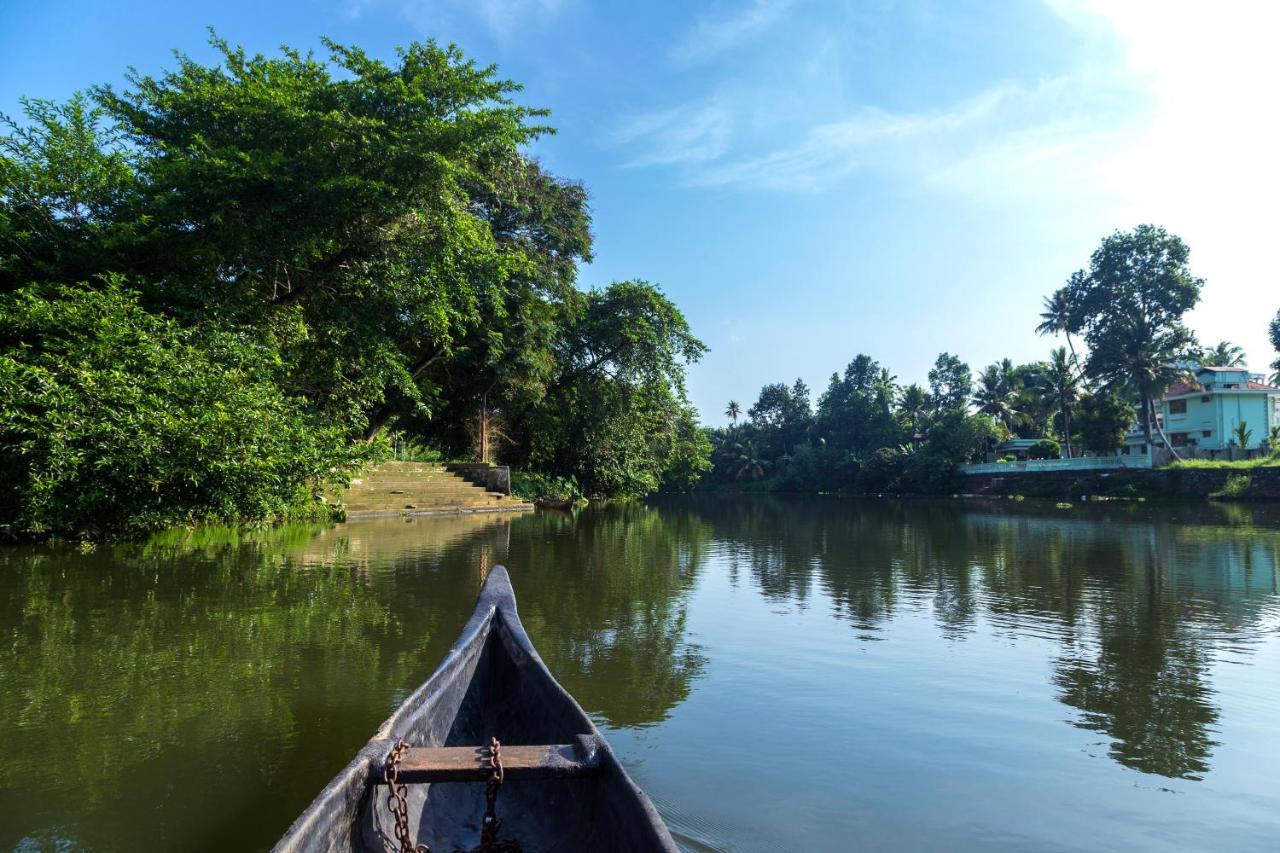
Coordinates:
(489, 754)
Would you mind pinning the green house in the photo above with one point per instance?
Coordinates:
(1200, 417)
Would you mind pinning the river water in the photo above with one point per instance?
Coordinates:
(777, 673)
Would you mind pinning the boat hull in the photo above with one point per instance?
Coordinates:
(491, 683)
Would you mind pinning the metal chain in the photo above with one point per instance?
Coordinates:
(398, 800)
(490, 824)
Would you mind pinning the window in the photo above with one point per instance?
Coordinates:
(1205, 398)
(1177, 407)
(1179, 439)
(1208, 433)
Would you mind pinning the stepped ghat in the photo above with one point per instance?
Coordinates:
(425, 488)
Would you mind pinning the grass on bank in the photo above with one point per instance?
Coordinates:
(1239, 464)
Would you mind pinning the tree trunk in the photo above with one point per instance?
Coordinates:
(1074, 358)
(1066, 429)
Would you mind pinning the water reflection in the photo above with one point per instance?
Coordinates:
(195, 692)
(1138, 598)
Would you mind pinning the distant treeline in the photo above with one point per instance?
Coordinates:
(221, 285)
(870, 434)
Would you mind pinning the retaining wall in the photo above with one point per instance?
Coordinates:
(1171, 483)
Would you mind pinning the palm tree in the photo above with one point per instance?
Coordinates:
(1242, 435)
(995, 396)
(1063, 388)
(733, 411)
(1222, 354)
(745, 462)
(1055, 319)
(913, 406)
(1144, 361)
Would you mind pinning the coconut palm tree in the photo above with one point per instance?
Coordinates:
(913, 407)
(995, 395)
(744, 462)
(1242, 435)
(1222, 354)
(1055, 319)
(733, 411)
(1062, 387)
(1145, 361)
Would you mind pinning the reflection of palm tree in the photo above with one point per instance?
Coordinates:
(1062, 387)
(733, 411)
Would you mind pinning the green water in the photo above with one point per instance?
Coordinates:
(777, 674)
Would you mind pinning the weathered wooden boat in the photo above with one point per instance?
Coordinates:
(432, 774)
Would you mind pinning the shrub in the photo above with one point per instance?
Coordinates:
(534, 486)
(1103, 421)
(116, 420)
(882, 471)
(1046, 448)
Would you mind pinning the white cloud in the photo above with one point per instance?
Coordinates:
(831, 151)
(714, 34)
(695, 133)
(502, 18)
(1204, 160)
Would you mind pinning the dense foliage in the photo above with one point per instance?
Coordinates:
(870, 434)
(1129, 303)
(116, 418)
(376, 231)
(866, 434)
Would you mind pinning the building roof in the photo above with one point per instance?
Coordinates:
(1216, 369)
(1184, 389)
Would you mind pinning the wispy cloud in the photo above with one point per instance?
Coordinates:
(689, 134)
(715, 33)
(870, 137)
(502, 18)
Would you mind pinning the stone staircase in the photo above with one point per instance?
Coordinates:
(422, 488)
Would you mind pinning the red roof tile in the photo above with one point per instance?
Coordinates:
(1261, 386)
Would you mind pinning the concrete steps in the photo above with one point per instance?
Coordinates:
(422, 488)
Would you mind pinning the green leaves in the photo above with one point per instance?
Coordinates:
(117, 420)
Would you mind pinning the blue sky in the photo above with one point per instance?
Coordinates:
(811, 180)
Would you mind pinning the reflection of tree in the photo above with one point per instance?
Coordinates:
(1147, 688)
(603, 595)
(196, 691)
(1130, 590)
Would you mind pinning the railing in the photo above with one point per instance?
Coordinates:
(1079, 463)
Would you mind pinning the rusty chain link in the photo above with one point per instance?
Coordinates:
(398, 800)
(489, 824)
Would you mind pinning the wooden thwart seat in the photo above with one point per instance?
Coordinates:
(471, 763)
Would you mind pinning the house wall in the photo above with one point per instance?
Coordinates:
(1219, 416)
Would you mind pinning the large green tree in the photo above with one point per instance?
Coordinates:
(1130, 303)
(615, 415)
(950, 384)
(855, 413)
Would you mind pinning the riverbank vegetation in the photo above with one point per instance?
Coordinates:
(868, 433)
(222, 284)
